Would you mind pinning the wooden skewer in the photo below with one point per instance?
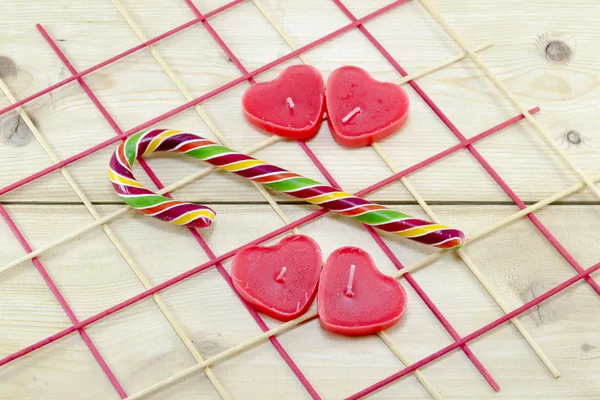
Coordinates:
(418, 374)
(473, 268)
(500, 85)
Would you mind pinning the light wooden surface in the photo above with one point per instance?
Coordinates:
(138, 343)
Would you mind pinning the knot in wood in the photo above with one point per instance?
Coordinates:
(7, 67)
(573, 137)
(558, 51)
(13, 130)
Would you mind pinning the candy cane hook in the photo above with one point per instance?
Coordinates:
(181, 213)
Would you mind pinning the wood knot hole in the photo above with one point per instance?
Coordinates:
(7, 67)
(587, 347)
(558, 51)
(13, 130)
(574, 137)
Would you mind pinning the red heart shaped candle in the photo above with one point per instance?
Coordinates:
(281, 280)
(354, 297)
(292, 105)
(362, 110)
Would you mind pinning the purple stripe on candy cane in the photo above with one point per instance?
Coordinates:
(144, 142)
(116, 166)
(124, 189)
(344, 204)
(259, 170)
(434, 237)
(228, 159)
(313, 191)
(174, 141)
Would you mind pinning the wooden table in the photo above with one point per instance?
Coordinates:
(545, 52)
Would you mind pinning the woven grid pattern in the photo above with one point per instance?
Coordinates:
(404, 272)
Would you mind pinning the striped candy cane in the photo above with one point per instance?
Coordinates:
(180, 213)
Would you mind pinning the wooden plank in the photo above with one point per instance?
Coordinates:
(135, 89)
(142, 349)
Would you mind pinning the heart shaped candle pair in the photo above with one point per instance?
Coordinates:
(354, 298)
(360, 109)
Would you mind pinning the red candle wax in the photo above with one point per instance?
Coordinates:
(281, 280)
(292, 105)
(354, 297)
(362, 110)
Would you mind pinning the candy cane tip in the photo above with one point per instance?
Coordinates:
(201, 223)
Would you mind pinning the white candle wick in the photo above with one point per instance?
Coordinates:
(351, 114)
(281, 274)
(349, 291)
(290, 102)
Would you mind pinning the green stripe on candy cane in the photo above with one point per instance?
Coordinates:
(380, 216)
(292, 184)
(131, 147)
(209, 151)
(144, 201)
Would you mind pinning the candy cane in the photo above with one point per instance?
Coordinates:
(180, 213)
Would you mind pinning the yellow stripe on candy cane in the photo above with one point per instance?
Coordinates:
(328, 197)
(186, 218)
(420, 230)
(121, 180)
(244, 164)
(159, 139)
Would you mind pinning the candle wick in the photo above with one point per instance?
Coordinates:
(281, 274)
(349, 291)
(351, 114)
(290, 102)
